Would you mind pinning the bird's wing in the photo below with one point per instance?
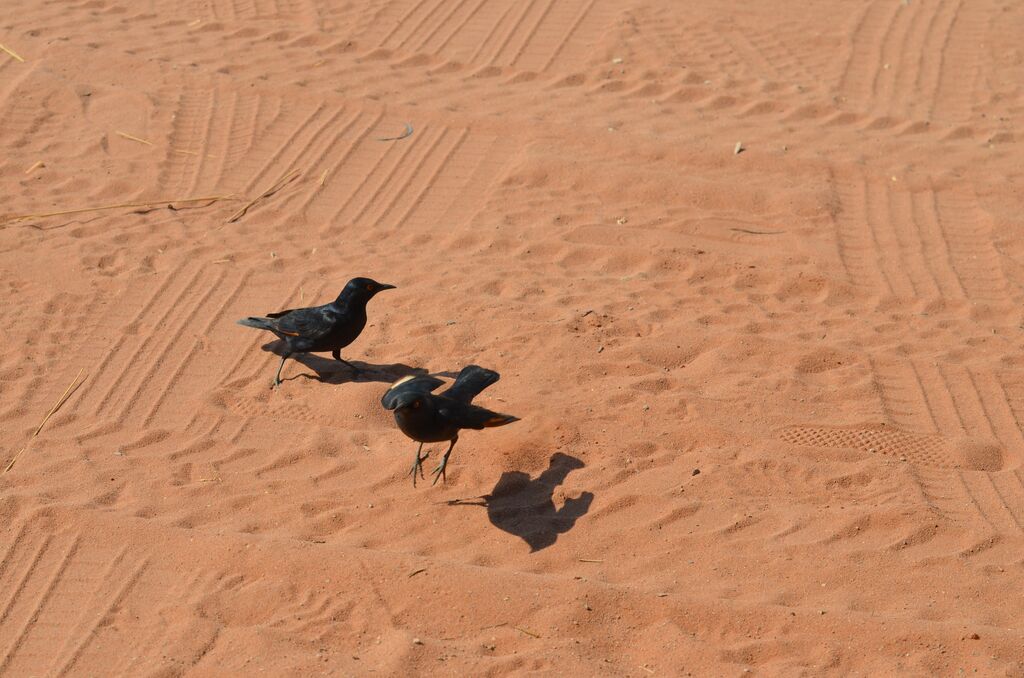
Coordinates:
(471, 381)
(466, 415)
(311, 323)
(418, 384)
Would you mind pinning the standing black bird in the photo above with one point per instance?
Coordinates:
(429, 418)
(330, 327)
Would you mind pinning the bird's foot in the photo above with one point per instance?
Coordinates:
(439, 472)
(418, 466)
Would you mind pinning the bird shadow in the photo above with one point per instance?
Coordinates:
(524, 506)
(330, 371)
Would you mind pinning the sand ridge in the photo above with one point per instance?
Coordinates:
(770, 401)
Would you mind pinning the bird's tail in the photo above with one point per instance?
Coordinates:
(471, 381)
(258, 323)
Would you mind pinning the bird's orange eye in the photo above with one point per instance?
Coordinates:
(369, 286)
(415, 404)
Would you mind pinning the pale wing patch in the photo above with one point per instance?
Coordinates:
(402, 381)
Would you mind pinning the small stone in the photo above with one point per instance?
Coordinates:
(974, 636)
(417, 641)
(617, 60)
(696, 471)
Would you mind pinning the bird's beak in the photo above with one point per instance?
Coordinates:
(385, 287)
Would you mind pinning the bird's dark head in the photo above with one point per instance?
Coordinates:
(414, 409)
(411, 403)
(363, 288)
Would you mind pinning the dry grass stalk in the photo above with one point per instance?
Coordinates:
(182, 151)
(12, 53)
(286, 178)
(61, 401)
(148, 203)
(35, 165)
(133, 138)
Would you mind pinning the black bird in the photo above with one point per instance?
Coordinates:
(429, 418)
(330, 327)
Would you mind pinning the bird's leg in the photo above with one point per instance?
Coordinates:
(337, 356)
(439, 471)
(418, 465)
(277, 377)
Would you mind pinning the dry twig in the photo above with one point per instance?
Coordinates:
(147, 203)
(133, 138)
(61, 401)
(11, 52)
(286, 178)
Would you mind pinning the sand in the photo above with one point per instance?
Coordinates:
(771, 400)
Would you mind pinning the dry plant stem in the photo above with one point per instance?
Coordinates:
(134, 138)
(274, 188)
(752, 232)
(493, 626)
(11, 52)
(147, 203)
(61, 401)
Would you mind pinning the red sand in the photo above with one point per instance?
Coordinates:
(826, 325)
